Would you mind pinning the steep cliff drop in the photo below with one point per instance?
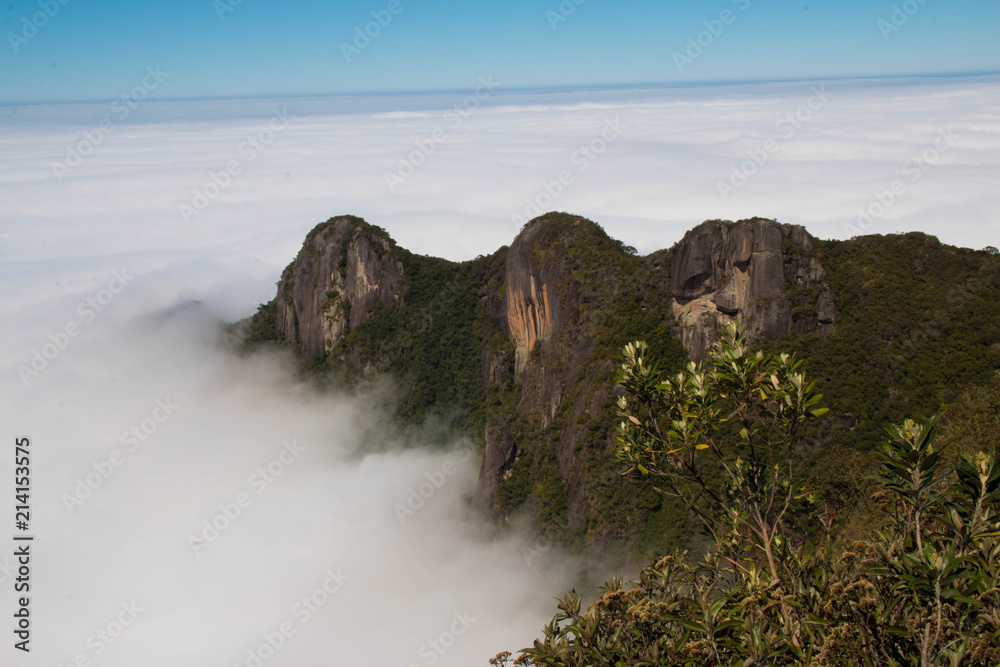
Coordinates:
(564, 280)
(537, 328)
(531, 304)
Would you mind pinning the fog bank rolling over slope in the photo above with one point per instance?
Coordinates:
(207, 502)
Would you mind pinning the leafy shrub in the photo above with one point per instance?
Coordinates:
(920, 589)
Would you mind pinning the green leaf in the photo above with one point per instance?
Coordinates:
(725, 625)
(816, 620)
(716, 606)
(690, 625)
(819, 412)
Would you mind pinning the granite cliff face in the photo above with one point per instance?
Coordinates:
(563, 282)
(542, 323)
(499, 455)
(724, 272)
(528, 312)
(520, 348)
(558, 302)
(342, 271)
(532, 308)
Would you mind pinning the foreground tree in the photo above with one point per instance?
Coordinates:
(922, 590)
(720, 437)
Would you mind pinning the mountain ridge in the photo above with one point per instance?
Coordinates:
(525, 342)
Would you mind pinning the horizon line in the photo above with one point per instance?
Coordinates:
(601, 87)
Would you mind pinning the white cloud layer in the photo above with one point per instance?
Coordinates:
(229, 504)
(659, 178)
(61, 239)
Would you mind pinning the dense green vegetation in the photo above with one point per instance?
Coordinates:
(432, 343)
(609, 296)
(920, 588)
(828, 559)
(919, 325)
(263, 326)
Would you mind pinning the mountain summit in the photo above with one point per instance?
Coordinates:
(523, 345)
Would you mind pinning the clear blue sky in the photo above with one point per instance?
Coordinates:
(96, 49)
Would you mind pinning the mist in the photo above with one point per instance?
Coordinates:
(195, 507)
(818, 152)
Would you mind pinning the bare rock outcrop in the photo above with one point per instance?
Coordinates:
(724, 272)
(531, 306)
(344, 269)
(499, 455)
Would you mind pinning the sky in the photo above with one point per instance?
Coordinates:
(94, 50)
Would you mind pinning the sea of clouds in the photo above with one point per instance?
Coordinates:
(192, 507)
(114, 223)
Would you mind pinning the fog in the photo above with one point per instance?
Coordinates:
(144, 426)
(210, 494)
(824, 158)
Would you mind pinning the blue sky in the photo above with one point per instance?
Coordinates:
(96, 49)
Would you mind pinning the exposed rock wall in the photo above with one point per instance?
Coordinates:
(724, 272)
(499, 455)
(531, 307)
(554, 294)
(560, 276)
(342, 271)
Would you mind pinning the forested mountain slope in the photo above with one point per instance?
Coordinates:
(520, 348)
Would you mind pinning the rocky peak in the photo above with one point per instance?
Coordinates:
(724, 272)
(344, 269)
